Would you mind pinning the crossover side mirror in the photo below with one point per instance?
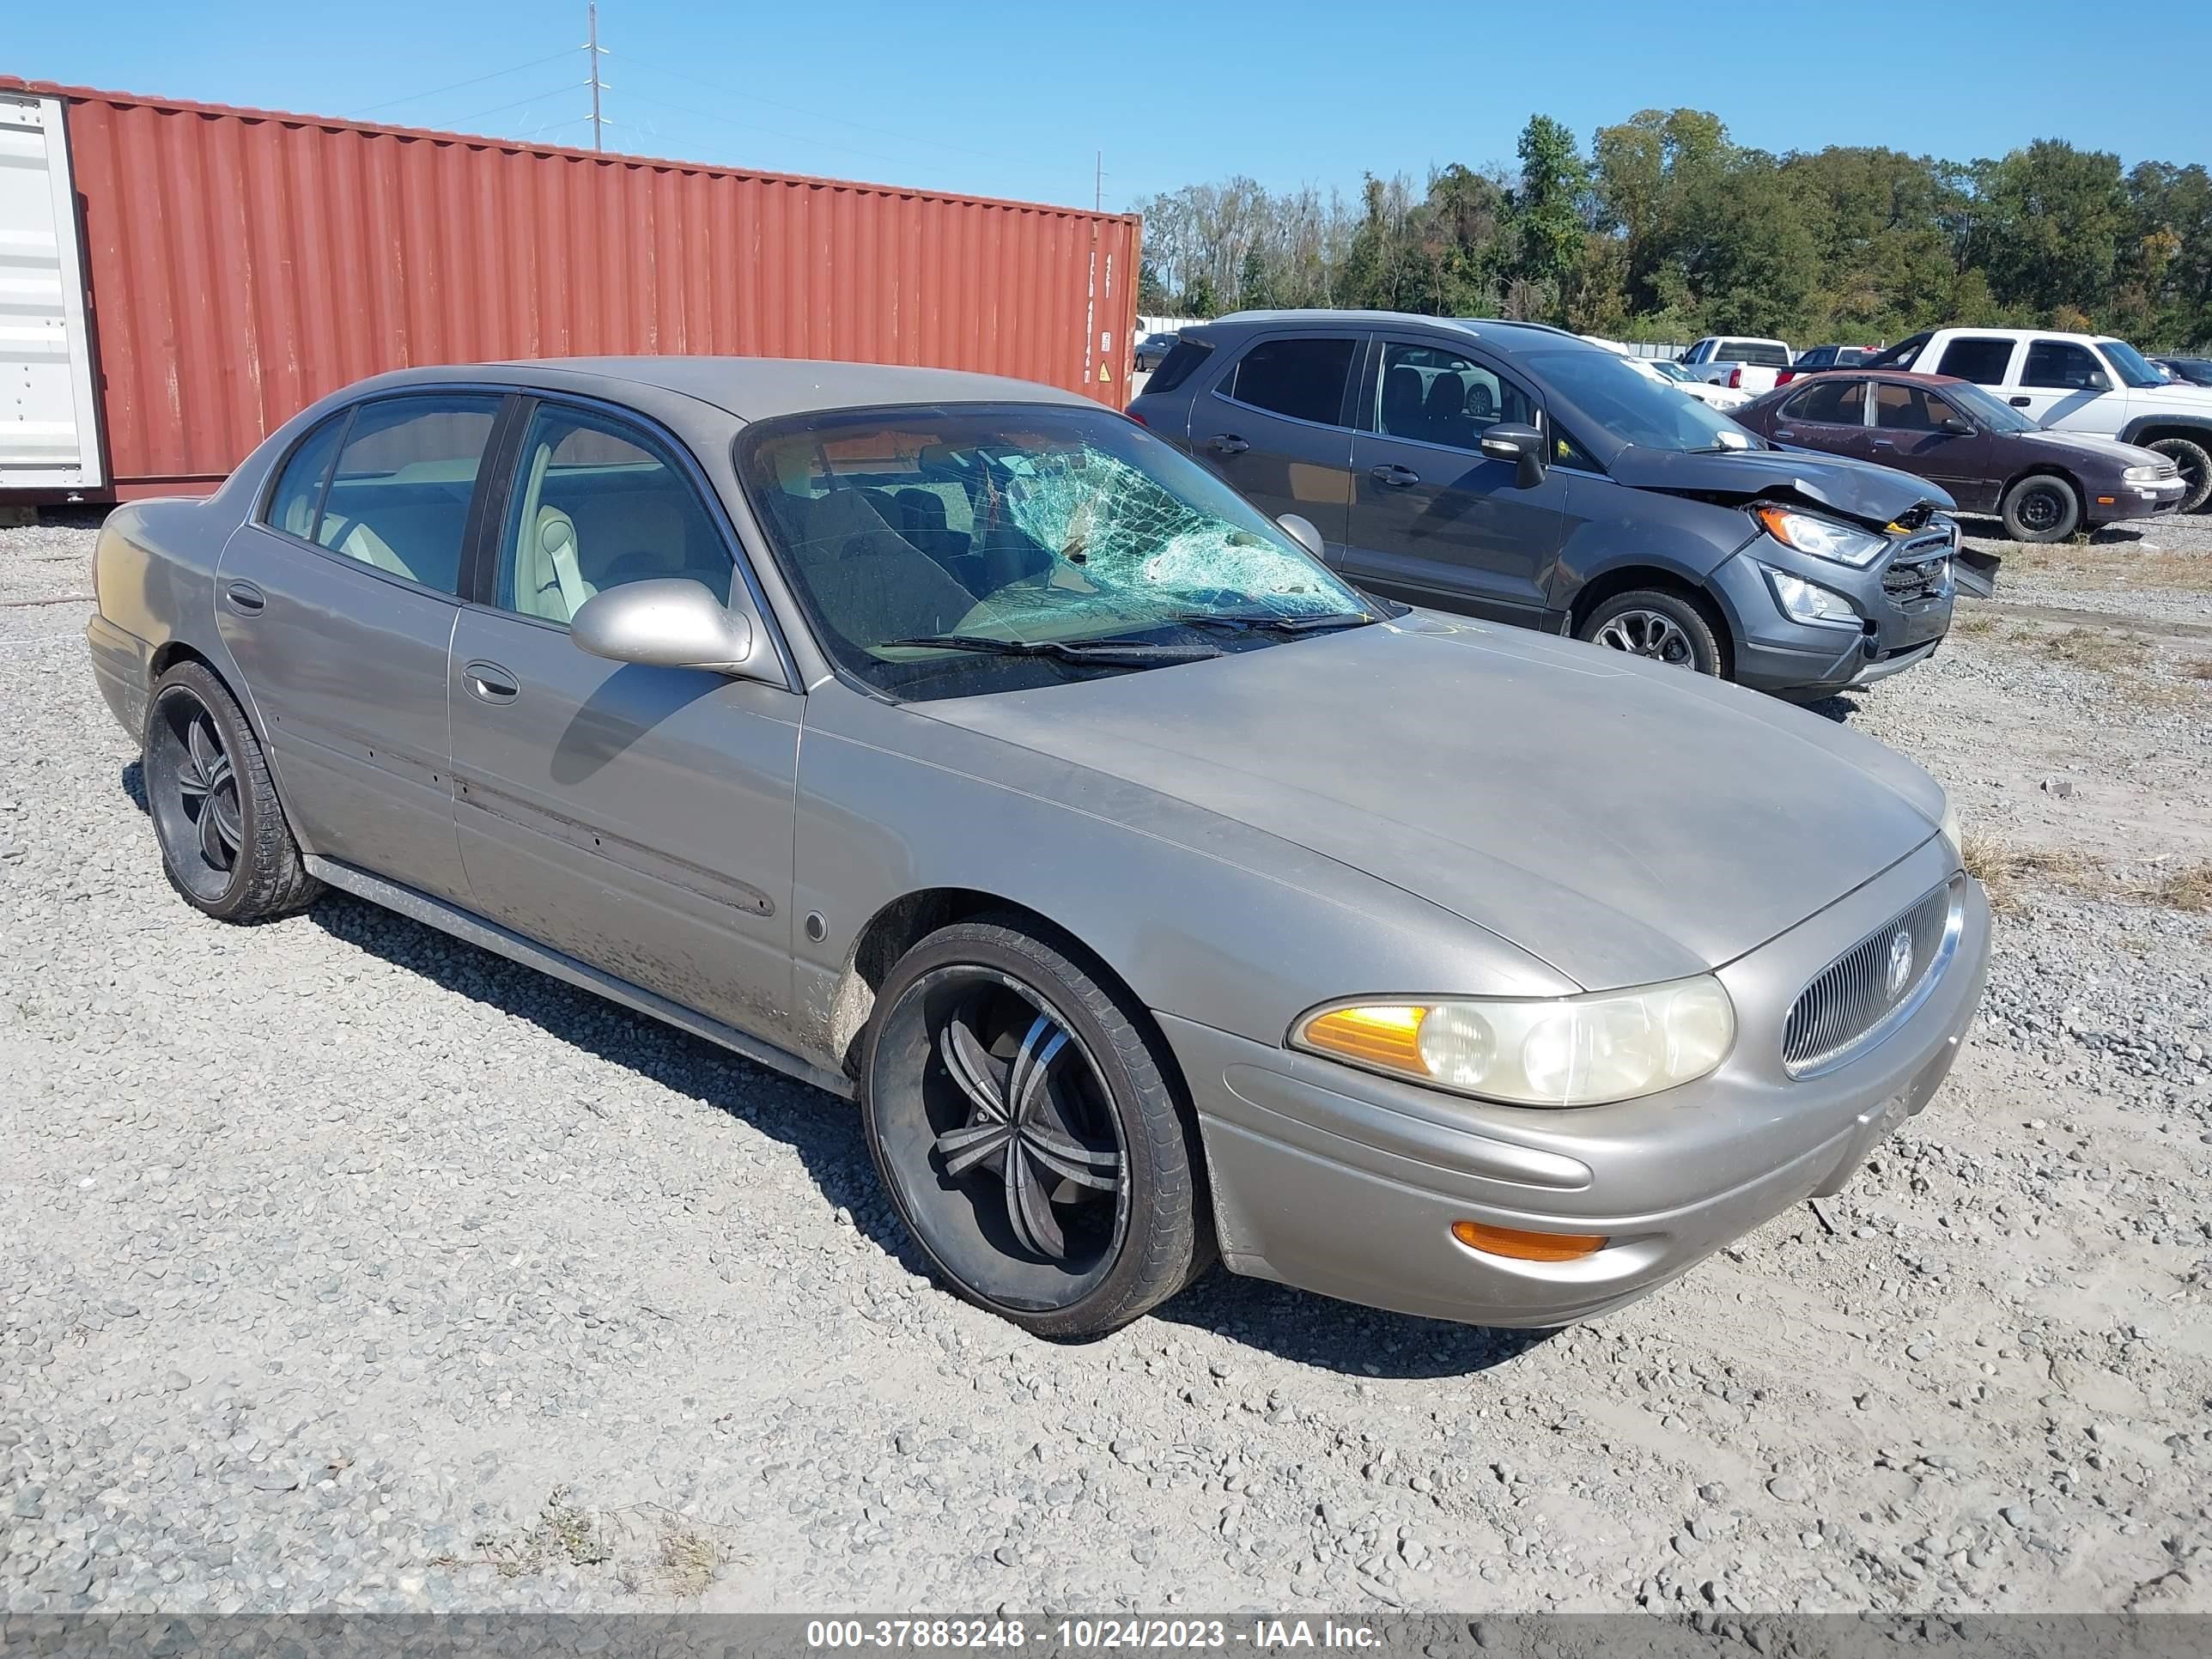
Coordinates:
(1523, 445)
(668, 622)
(1301, 530)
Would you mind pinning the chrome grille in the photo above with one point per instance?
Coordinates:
(1860, 995)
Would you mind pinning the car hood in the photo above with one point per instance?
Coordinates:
(1623, 822)
(2198, 399)
(2110, 449)
(1857, 489)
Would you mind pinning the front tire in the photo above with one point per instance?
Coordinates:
(2041, 509)
(2195, 463)
(225, 846)
(1650, 622)
(1021, 1113)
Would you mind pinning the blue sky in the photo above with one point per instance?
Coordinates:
(1016, 100)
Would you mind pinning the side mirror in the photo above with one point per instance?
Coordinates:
(2099, 380)
(1953, 426)
(1523, 445)
(1301, 531)
(670, 622)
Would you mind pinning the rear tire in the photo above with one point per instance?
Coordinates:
(2041, 509)
(225, 846)
(1654, 622)
(993, 1044)
(2195, 462)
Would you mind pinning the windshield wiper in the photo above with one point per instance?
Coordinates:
(1243, 623)
(1109, 653)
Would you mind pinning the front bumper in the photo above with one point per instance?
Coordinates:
(1345, 1183)
(2136, 501)
(1810, 660)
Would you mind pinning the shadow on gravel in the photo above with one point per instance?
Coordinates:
(1838, 709)
(825, 1131)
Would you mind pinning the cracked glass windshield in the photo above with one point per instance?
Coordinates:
(949, 551)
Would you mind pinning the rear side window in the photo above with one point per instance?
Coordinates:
(1181, 361)
(2060, 365)
(400, 499)
(1977, 358)
(298, 496)
(1831, 401)
(1302, 379)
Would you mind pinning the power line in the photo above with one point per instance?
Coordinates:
(473, 80)
(720, 119)
(496, 109)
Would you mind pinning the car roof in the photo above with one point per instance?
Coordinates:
(2030, 334)
(1498, 329)
(751, 388)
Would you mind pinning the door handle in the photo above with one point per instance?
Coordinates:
(1396, 476)
(244, 597)
(490, 682)
(1884, 444)
(1227, 443)
(2017, 402)
(1786, 437)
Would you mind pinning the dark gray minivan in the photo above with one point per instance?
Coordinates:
(1517, 472)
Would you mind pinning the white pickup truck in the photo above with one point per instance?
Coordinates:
(1735, 361)
(2077, 383)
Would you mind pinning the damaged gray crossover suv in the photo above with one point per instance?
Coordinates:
(1517, 472)
(957, 746)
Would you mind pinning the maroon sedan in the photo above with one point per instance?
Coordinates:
(1989, 456)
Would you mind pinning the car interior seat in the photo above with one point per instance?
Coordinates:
(869, 582)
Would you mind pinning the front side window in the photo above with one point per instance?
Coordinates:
(398, 500)
(297, 500)
(1977, 357)
(951, 550)
(1302, 379)
(1991, 414)
(598, 503)
(1438, 397)
(2060, 366)
(1908, 409)
(1831, 400)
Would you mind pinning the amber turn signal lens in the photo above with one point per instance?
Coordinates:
(1526, 1247)
(1389, 1035)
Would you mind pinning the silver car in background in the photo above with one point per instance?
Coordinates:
(959, 747)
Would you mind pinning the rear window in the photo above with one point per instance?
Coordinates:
(1178, 365)
(1303, 379)
(1763, 353)
(1978, 358)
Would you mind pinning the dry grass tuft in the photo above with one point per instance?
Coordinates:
(2005, 871)
(2099, 649)
(2111, 565)
(2201, 669)
(2189, 889)
(1974, 623)
(688, 1561)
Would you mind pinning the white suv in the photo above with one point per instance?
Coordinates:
(2077, 383)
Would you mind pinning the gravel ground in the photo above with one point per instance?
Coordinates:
(343, 1264)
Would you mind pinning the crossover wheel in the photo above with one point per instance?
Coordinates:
(2195, 462)
(1655, 623)
(2041, 509)
(225, 846)
(1023, 1119)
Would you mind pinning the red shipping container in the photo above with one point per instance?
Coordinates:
(239, 264)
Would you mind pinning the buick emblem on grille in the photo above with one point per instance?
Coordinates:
(1901, 961)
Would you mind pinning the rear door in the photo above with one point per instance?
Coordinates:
(1909, 433)
(638, 819)
(1984, 359)
(1433, 520)
(1828, 413)
(338, 601)
(1275, 423)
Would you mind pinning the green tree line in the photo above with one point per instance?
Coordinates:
(1666, 229)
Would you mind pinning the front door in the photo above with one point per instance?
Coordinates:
(638, 818)
(339, 605)
(1434, 522)
(1273, 425)
(1912, 432)
(2061, 382)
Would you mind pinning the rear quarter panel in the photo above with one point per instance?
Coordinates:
(153, 569)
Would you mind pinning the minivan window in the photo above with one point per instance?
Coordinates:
(1302, 379)
(1630, 408)
(1976, 357)
(2060, 365)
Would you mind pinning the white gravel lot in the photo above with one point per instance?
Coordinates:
(344, 1265)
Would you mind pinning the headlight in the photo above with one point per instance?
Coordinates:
(1823, 538)
(2143, 474)
(1565, 1051)
(1808, 602)
(1954, 836)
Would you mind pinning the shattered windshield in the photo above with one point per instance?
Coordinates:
(950, 550)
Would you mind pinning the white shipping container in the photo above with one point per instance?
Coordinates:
(49, 423)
